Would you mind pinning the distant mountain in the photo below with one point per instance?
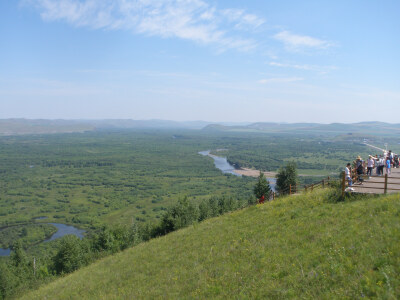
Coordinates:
(25, 126)
(313, 128)
(41, 126)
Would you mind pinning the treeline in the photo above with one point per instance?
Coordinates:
(19, 272)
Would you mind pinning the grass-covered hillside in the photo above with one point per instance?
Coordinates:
(296, 247)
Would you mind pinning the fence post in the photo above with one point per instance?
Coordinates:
(290, 190)
(329, 180)
(305, 188)
(386, 183)
(343, 183)
(312, 187)
(323, 182)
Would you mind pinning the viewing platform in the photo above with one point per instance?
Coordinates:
(378, 184)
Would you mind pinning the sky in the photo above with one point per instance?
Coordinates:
(219, 61)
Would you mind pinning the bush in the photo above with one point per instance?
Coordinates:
(180, 215)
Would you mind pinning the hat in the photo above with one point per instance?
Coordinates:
(359, 157)
(370, 155)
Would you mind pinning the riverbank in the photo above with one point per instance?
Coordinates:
(253, 173)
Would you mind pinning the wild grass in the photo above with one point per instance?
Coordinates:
(304, 246)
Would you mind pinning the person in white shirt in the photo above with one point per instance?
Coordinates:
(348, 174)
(381, 164)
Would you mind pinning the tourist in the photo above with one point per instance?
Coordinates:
(381, 164)
(348, 174)
(370, 165)
(396, 161)
(359, 169)
(388, 162)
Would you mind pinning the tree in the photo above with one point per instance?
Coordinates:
(18, 256)
(182, 214)
(71, 255)
(262, 187)
(286, 177)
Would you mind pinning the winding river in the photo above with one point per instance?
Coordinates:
(62, 230)
(222, 164)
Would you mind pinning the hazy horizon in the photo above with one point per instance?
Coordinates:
(194, 121)
(282, 62)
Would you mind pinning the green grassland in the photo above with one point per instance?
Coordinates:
(123, 176)
(306, 246)
(96, 178)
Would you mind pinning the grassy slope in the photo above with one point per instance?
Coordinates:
(297, 247)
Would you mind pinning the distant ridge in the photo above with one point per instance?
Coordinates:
(43, 126)
(313, 128)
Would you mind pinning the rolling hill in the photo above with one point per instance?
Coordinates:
(304, 246)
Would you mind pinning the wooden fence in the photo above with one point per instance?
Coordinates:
(295, 189)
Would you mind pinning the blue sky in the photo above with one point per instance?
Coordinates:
(273, 61)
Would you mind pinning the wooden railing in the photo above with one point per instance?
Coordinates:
(295, 189)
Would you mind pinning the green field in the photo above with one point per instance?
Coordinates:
(304, 246)
(96, 178)
(119, 177)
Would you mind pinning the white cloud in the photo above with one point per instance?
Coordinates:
(241, 18)
(315, 68)
(193, 20)
(296, 42)
(280, 80)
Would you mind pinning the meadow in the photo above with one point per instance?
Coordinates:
(102, 178)
(307, 246)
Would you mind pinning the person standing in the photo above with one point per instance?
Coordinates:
(348, 174)
(381, 165)
(370, 165)
(388, 162)
(359, 169)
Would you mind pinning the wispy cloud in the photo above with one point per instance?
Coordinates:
(297, 42)
(193, 20)
(315, 68)
(280, 80)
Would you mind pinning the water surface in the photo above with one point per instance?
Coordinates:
(221, 163)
